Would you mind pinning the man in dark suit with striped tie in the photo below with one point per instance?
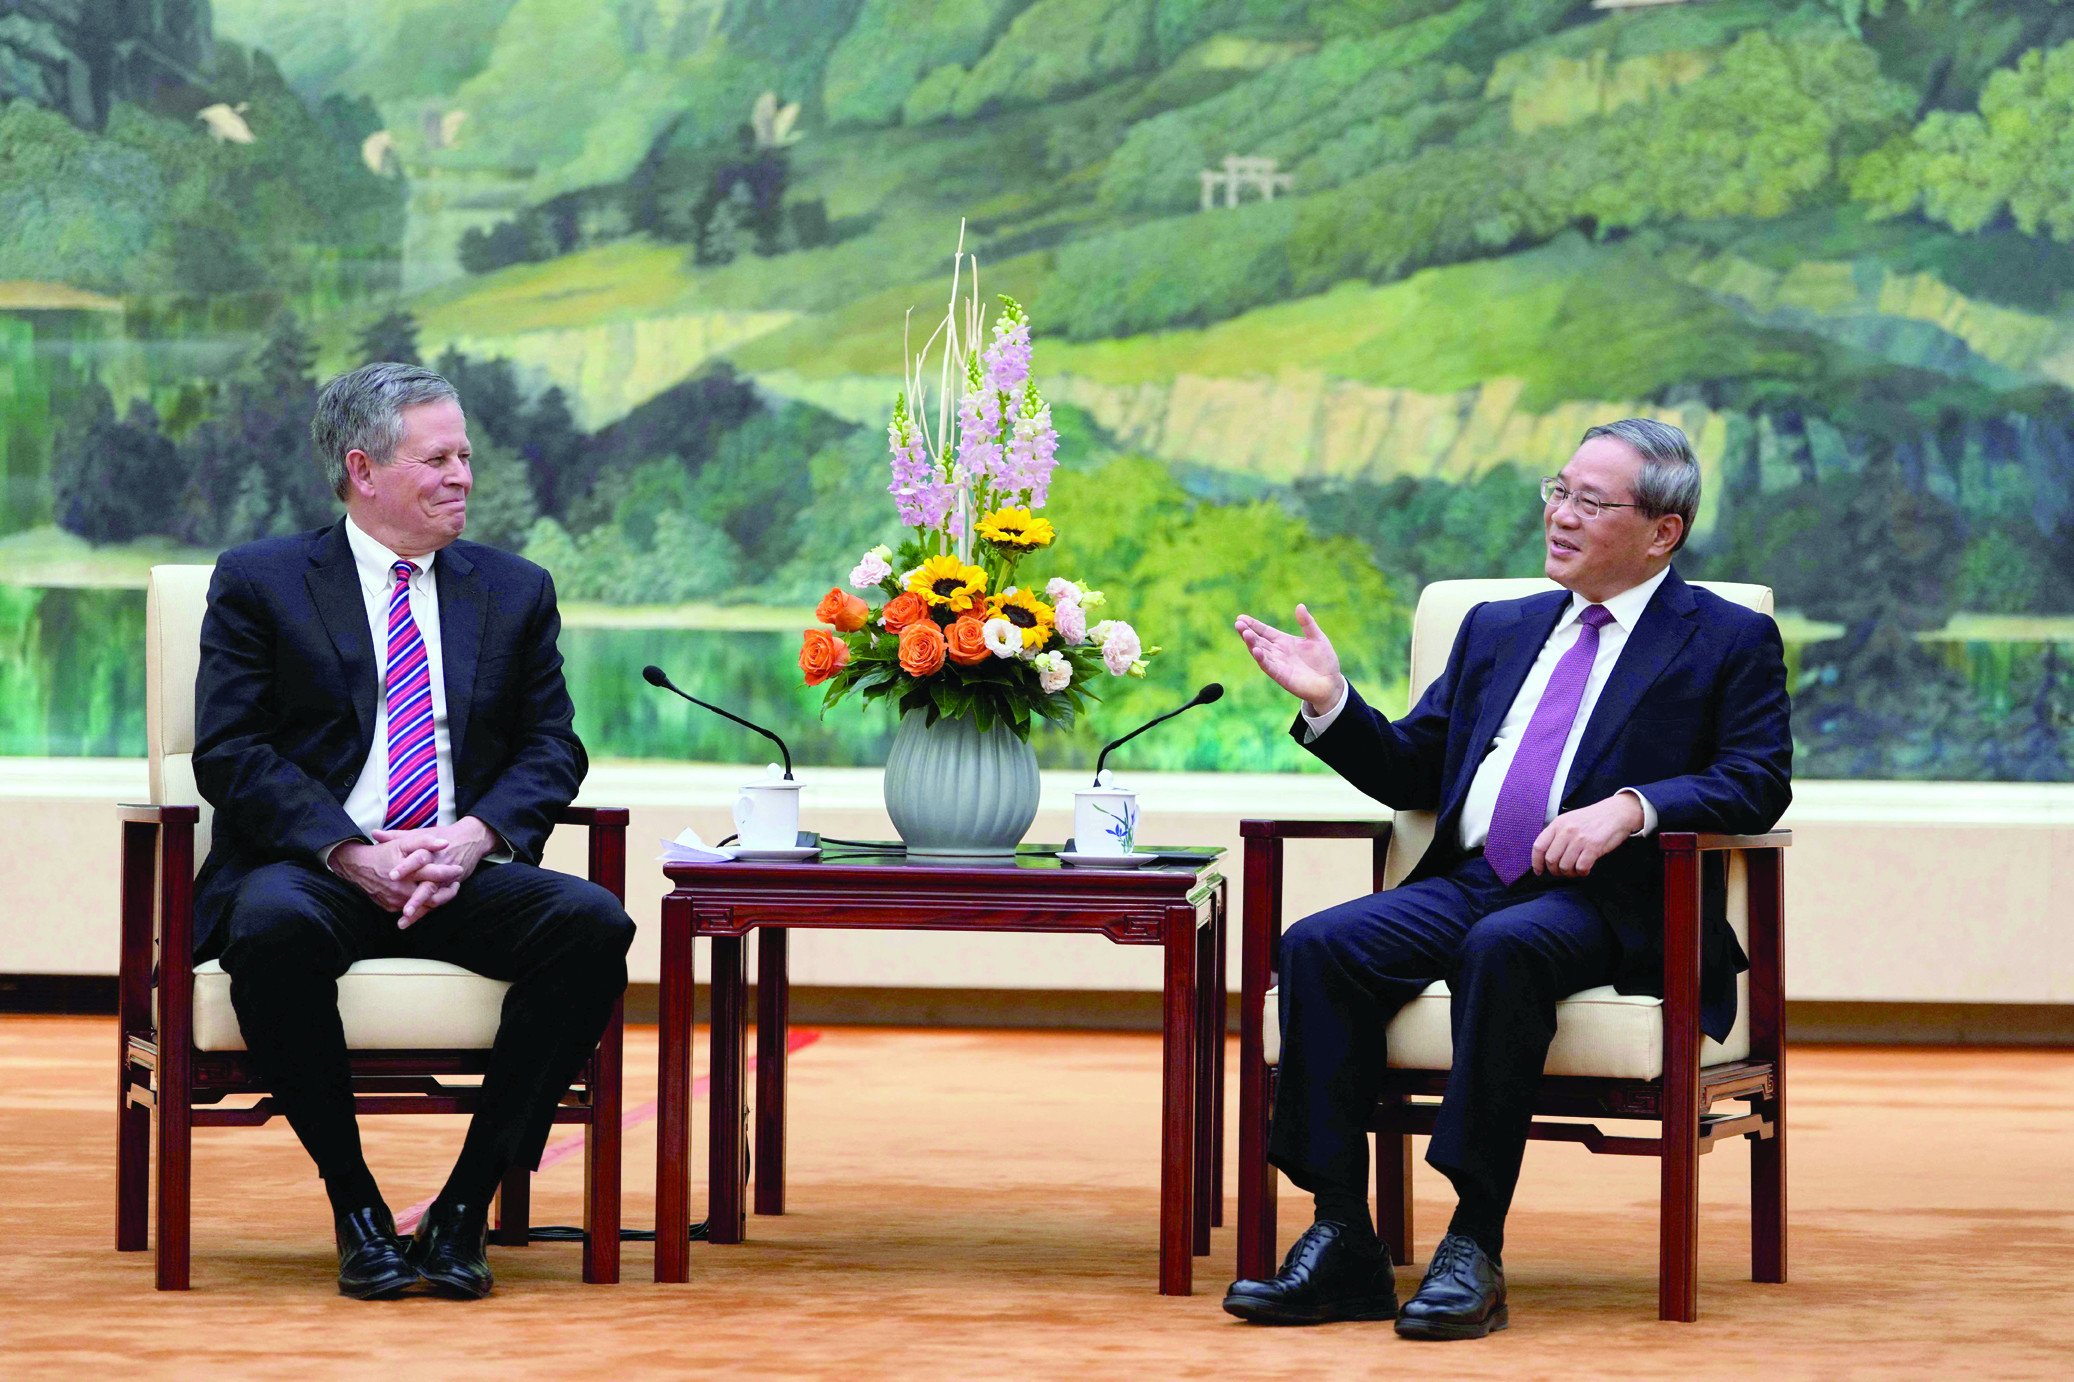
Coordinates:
(1565, 728)
(382, 726)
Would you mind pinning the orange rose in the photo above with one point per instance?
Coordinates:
(966, 640)
(822, 655)
(842, 611)
(903, 611)
(921, 649)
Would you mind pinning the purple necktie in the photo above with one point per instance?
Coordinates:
(413, 755)
(1522, 810)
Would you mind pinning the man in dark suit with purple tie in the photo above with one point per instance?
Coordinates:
(383, 729)
(1566, 728)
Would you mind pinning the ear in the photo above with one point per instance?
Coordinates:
(1669, 528)
(360, 473)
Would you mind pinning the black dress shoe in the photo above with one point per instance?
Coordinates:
(448, 1250)
(371, 1264)
(1462, 1297)
(1328, 1275)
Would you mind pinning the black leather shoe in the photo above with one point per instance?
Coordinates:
(371, 1263)
(1462, 1297)
(1328, 1275)
(448, 1250)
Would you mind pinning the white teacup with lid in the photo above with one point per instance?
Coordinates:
(767, 812)
(1105, 819)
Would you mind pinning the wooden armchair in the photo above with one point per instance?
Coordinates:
(1614, 1055)
(411, 1024)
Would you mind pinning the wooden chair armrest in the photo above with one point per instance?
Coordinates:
(144, 813)
(594, 815)
(1313, 830)
(1687, 841)
(608, 844)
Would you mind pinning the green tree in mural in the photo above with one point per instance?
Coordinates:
(1875, 703)
(553, 449)
(490, 396)
(261, 428)
(394, 337)
(109, 477)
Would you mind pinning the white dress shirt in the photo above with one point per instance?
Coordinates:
(368, 802)
(1626, 609)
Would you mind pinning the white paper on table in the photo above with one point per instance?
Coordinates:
(688, 848)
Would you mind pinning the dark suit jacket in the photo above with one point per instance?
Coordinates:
(1694, 717)
(285, 703)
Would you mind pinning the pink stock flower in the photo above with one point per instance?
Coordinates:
(1007, 360)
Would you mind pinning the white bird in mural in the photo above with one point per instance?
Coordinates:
(773, 123)
(378, 152)
(227, 123)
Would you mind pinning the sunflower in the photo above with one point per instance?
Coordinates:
(1030, 615)
(948, 583)
(1016, 530)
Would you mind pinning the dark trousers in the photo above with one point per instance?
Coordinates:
(560, 941)
(1509, 955)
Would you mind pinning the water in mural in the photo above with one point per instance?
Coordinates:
(1323, 289)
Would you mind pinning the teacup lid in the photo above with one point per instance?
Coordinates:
(774, 776)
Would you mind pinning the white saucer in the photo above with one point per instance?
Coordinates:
(1106, 861)
(769, 856)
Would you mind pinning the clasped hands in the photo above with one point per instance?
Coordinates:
(1306, 666)
(410, 872)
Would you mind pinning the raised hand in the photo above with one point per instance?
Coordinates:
(1303, 664)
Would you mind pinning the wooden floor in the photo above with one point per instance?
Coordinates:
(974, 1203)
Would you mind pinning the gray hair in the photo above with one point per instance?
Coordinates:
(1670, 479)
(362, 410)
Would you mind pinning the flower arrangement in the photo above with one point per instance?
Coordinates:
(957, 633)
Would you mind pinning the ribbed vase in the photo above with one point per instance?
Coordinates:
(954, 790)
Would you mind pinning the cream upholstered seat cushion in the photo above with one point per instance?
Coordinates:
(1599, 1033)
(386, 1005)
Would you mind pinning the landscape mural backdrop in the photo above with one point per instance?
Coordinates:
(1321, 290)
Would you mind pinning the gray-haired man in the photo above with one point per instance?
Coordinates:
(382, 726)
(1565, 727)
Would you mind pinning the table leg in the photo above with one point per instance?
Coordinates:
(1177, 1105)
(1205, 994)
(673, 1097)
(1218, 933)
(773, 991)
(724, 1141)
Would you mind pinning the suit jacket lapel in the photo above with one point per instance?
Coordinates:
(1664, 628)
(462, 608)
(1518, 645)
(334, 585)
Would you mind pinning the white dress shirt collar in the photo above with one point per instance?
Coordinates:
(1626, 607)
(376, 564)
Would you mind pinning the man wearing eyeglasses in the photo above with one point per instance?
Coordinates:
(1565, 727)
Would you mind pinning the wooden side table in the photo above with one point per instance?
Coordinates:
(1167, 904)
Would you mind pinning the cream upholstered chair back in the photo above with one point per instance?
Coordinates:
(174, 603)
(1443, 606)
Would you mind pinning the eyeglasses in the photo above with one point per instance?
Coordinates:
(1554, 494)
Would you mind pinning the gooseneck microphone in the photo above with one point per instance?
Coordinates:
(655, 676)
(1213, 692)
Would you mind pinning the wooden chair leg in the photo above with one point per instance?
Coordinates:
(175, 1184)
(1393, 1194)
(601, 1155)
(514, 1209)
(1260, 904)
(132, 1172)
(1768, 1193)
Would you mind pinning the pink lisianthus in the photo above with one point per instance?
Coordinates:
(1120, 648)
(1069, 619)
(1059, 590)
(871, 569)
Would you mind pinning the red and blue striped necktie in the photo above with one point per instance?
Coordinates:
(413, 755)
